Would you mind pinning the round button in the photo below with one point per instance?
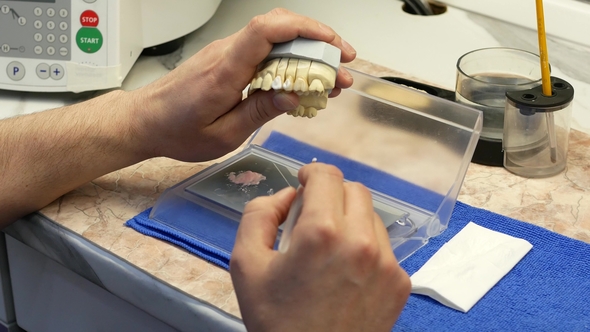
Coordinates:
(63, 26)
(89, 18)
(51, 50)
(38, 24)
(50, 12)
(89, 40)
(89, 1)
(5, 9)
(38, 49)
(57, 72)
(51, 38)
(15, 71)
(43, 71)
(22, 20)
(38, 11)
(50, 25)
(22, 49)
(5, 48)
(63, 13)
(38, 37)
(63, 51)
(63, 39)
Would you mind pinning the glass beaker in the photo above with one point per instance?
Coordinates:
(483, 78)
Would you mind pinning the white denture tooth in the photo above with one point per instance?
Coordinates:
(277, 83)
(256, 83)
(291, 71)
(270, 68)
(267, 82)
(288, 85)
(301, 79)
(251, 87)
(316, 86)
(300, 110)
(300, 86)
(323, 73)
(311, 112)
(281, 69)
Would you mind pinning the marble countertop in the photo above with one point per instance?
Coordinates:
(98, 210)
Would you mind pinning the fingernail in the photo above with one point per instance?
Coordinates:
(284, 101)
(347, 47)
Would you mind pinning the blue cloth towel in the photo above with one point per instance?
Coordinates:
(548, 290)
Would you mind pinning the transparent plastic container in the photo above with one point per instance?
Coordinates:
(410, 149)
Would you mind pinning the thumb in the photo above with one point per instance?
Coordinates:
(261, 107)
(284, 101)
(261, 219)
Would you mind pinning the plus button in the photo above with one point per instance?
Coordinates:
(57, 72)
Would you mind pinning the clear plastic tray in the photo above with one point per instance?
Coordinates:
(411, 149)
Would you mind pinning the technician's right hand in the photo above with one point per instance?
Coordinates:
(339, 273)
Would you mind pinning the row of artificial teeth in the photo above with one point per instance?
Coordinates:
(300, 87)
(298, 75)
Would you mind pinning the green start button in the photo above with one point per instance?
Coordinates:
(89, 40)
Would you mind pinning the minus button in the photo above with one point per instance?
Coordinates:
(43, 71)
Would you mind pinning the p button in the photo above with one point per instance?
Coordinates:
(15, 71)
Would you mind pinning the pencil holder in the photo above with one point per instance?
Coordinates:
(536, 130)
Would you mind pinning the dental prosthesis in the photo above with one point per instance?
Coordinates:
(304, 66)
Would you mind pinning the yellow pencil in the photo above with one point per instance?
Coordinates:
(546, 78)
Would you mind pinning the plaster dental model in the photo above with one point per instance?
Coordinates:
(304, 66)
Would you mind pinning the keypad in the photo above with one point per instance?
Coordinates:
(39, 31)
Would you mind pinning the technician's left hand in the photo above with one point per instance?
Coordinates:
(196, 112)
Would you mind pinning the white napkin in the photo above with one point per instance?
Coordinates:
(468, 266)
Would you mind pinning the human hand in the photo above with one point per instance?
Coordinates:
(339, 273)
(196, 112)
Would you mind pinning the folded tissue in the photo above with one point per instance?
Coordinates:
(468, 266)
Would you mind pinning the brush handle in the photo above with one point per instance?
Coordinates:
(294, 212)
(545, 71)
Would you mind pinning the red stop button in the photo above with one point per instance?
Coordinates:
(89, 18)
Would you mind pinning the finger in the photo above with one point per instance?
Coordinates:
(335, 92)
(254, 111)
(261, 219)
(278, 26)
(323, 194)
(358, 210)
(344, 78)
